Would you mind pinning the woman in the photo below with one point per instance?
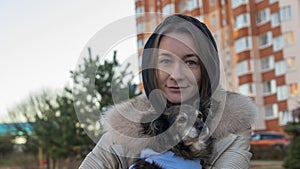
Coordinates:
(180, 66)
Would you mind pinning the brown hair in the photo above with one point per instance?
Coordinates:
(205, 48)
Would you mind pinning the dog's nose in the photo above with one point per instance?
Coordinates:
(199, 126)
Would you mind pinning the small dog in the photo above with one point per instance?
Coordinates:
(184, 125)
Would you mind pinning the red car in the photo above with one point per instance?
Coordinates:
(269, 139)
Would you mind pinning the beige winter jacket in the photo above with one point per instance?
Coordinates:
(230, 121)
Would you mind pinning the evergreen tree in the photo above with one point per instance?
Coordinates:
(55, 128)
(54, 115)
(292, 161)
(98, 86)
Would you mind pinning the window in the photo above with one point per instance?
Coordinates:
(244, 67)
(223, 2)
(247, 89)
(228, 59)
(193, 4)
(168, 9)
(271, 111)
(241, 21)
(282, 93)
(267, 63)
(226, 32)
(140, 43)
(139, 11)
(285, 13)
(243, 44)
(140, 60)
(272, 1)
(226, 42)
(280, 68)
(284, 117)
(151, 9)
(213, 20)
(200, 3)
(183, 6)
(291, 63)
(289, 38)
(212, 2)
(275, 21)
(271, 136)
(236, 3)
(269, 87)
(263, 16)
(228, 63)
(224, 22)
(223, 11)
(255, 137)
(278, 43)
(265, 39)
(140, 27)
(294, 90)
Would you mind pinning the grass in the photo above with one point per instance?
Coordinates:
(261, 164)
(19, 159)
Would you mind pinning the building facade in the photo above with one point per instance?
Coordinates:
(258, 42)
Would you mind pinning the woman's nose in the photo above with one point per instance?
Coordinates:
(178, 71)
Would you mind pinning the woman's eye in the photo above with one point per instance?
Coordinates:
(165, 62)
(191, 63)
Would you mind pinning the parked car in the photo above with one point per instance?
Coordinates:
(269, 139)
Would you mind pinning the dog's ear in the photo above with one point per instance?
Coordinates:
(146, 129)
(145, 123)
(168, 112)
(159, 125)
(156, 126)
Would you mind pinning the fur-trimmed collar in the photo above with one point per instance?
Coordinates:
(230, 113)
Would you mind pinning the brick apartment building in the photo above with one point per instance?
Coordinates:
(258, 42)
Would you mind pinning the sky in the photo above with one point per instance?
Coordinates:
(41, 41)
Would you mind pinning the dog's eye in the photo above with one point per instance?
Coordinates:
(181, 119)
(200, 116)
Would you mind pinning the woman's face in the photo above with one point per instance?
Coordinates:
(178, 67)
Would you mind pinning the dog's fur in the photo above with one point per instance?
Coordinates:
(182, 124)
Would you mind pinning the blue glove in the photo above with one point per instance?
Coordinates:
(168, 160)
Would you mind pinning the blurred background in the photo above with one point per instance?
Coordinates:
(48, 52)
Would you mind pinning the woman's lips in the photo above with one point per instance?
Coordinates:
(176, 88)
